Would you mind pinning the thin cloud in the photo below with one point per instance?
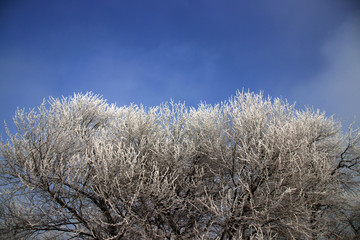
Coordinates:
(335, 88)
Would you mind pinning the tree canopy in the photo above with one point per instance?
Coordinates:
(248, 168)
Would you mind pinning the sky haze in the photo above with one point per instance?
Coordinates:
(146, 52)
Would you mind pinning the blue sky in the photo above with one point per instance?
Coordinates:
(147, 52)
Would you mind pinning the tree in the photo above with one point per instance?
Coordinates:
(248, 168)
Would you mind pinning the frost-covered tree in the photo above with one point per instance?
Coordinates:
(248, 168)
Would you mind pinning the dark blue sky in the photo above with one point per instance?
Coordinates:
(147, 52)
